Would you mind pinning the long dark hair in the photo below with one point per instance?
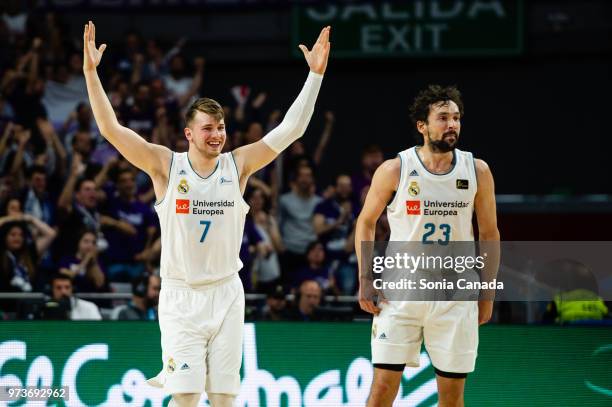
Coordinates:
(26, 255)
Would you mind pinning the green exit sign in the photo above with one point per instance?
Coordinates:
(414, 28)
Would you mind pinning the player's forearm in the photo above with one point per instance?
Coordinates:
(322, 228)
(298, 116)
(364, 232)
(65, 199)
(100, 105)
(490, 249)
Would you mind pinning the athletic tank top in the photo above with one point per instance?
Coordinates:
(202, 222)
(431, 207)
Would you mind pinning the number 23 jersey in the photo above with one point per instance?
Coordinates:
(202, 222)
(431, 207)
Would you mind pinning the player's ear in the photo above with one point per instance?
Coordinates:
(187, 132)
(421, 126)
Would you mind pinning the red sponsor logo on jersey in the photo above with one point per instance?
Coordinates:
(182, 206)
(413, 207)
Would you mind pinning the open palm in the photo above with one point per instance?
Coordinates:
(317, 56)
(91, 54)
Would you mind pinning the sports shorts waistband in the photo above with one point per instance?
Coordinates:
(182, 284)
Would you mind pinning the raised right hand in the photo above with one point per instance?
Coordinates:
(91, 54)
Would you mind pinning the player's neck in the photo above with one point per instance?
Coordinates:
(203, 165)
(435, 162)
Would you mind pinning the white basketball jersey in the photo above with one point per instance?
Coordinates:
(431, 207)
(202, 222)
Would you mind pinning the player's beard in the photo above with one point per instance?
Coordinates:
(443, 146)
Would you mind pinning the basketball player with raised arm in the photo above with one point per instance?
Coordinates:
(435, 171)
(202, 215)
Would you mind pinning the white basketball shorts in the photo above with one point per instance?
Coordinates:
(201, 336)
(449, 329)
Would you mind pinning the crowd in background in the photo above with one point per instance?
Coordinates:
(75, 216)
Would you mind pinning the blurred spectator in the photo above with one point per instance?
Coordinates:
(334, 217)
(183, 88)
(18, 155)
(78, 210)
(151, 256)
(265, 178)
(11, 207)
(315, 269)
(139, 115)
(36, 197)
(133, 47)
(6, 112)
(15, 18)
(62, 299)
(81, 133)
(83, 267)
(78, 119)
(23, 87)
(307, 302)
(333, 222)
(576, 292)
(266, 266)
(297, 156)
(295, 213)
(66, 89)
(38, 231)
(54, 158)
(276, 304)
(371, 159)
(145, 298)
(251, 239)
(131, 227)
(17, 259)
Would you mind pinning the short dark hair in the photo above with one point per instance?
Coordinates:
(205, 105)
(79, 183)
(36, 169)
(122, 171)
(59, 276)
(314, 244)
(433, 95)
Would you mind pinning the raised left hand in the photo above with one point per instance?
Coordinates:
(317, 56)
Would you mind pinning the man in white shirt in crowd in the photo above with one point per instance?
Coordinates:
(61, 291)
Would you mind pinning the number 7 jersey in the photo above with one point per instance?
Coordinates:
(202, 222)
(431, 207)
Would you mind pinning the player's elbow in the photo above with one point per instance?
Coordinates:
(365, 223)
(108, 127)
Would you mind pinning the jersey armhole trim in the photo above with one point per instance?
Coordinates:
(244, 203)
(475, 173)
(236, 167)
(392, 203)
(168, 184)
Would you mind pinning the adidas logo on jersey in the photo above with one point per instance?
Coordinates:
(185, 366)
(414, 173)
(225, 181)
(382, 336)
(182, 172)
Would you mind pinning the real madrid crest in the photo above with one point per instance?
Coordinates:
(413, 188)
(183, 186)
(171, 365)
